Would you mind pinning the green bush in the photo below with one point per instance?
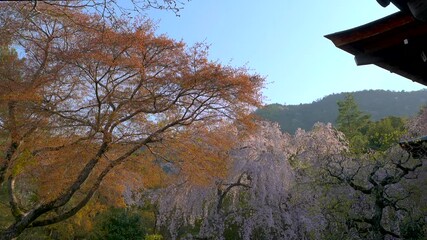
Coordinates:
(119, 224)
(154, 237)
(413, 229)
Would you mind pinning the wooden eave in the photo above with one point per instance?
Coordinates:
(397, 43)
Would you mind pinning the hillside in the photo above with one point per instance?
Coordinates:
(378, 103)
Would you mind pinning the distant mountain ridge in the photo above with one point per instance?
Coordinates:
(378, 103)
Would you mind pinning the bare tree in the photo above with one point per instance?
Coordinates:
(112, 8)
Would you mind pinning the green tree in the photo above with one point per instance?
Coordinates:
(386, 132)
(119, 224)
(353, 123)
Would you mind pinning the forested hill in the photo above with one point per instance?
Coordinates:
(378, 103)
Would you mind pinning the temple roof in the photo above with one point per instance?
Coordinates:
(397, 43)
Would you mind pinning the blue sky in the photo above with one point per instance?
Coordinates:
(283, 41)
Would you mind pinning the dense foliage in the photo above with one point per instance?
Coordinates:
(377, 103)
(310, 185)
(364, 134)
(93, 99)
(108, 131)
(119, 224)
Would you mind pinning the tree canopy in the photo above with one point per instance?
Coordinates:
(378, 104)
(88, 95)
(108, 131)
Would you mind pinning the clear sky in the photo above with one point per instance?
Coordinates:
(283, 41)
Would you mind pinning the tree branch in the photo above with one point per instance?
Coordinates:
(13, 201)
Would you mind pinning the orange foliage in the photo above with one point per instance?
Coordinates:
(101, 106)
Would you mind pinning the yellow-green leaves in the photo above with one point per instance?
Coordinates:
(24, 160)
